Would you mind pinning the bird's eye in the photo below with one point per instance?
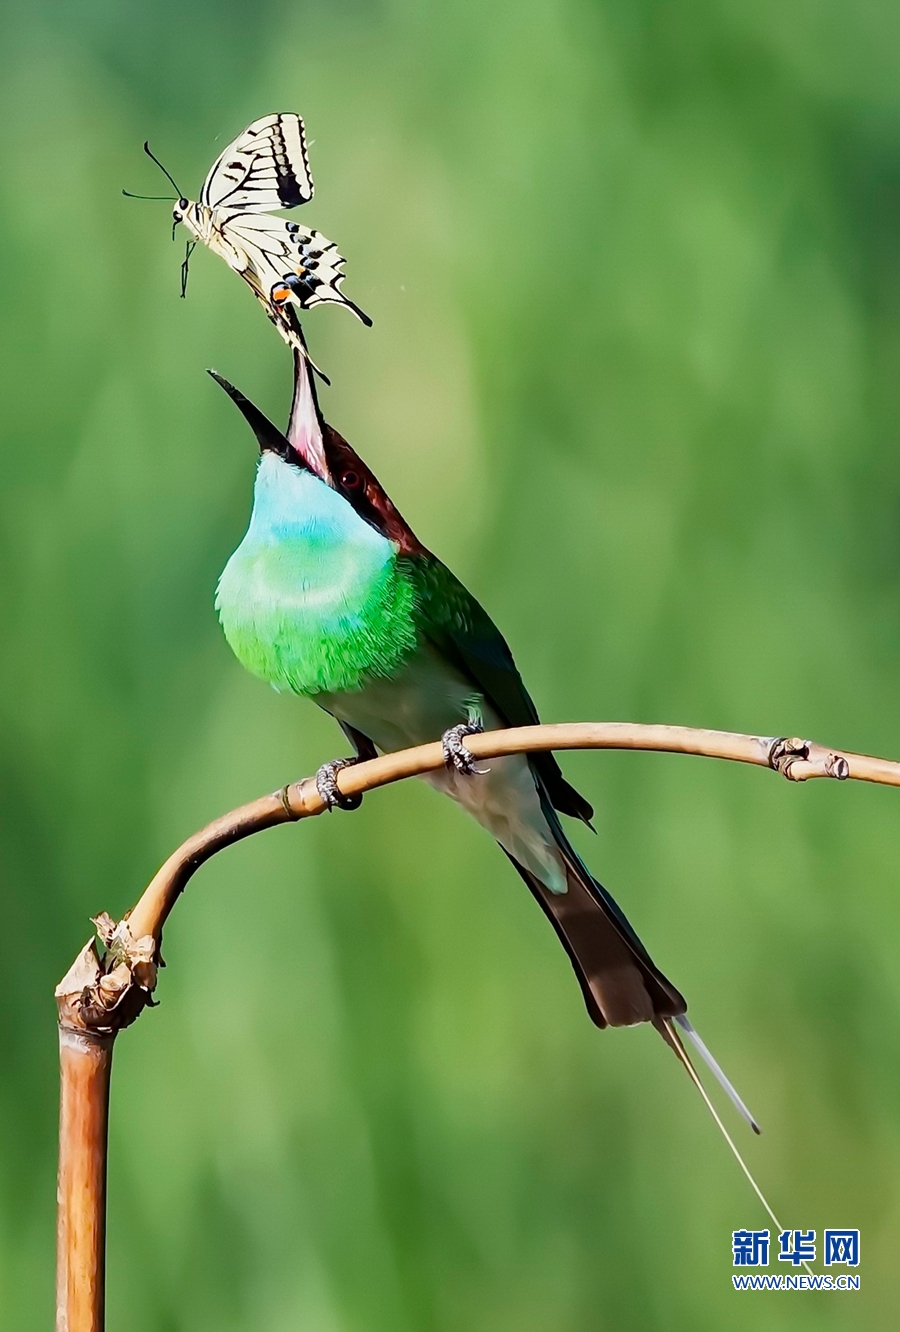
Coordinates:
(351, 480)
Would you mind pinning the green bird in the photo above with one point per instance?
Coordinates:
(330, 595)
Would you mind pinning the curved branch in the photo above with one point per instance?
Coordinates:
(124, 980)
(107, 989)
(798, 760)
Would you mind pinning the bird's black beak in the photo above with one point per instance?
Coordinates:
(269, 437)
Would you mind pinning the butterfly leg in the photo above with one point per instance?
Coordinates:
(188, 251)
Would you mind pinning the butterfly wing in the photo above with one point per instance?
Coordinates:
(288, 262)
(264, 169)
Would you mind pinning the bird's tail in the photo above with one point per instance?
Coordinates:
(667, 1029)
(620, 982)
(712, 1064)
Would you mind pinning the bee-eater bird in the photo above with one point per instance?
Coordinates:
(332, 596)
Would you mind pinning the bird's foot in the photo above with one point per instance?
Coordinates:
(328, 789)
(457, 756)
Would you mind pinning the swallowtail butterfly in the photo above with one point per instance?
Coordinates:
(266, 169)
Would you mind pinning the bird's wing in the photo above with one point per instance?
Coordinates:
(464, 632)
(365, 748)
(448, 614)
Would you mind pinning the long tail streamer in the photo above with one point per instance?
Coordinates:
(714, 1067)
(672, 1038)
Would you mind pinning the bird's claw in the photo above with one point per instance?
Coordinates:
(328, 789)
(457, 756)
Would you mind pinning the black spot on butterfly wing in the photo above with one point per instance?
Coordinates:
(287, 184)
(289, 191)
(302, 286)
(266, 167)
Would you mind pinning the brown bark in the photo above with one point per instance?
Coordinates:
(85, 1067)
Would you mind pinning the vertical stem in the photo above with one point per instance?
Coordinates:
(85, 1062)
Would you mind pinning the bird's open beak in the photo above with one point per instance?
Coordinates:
(268, 435)
(305, 425)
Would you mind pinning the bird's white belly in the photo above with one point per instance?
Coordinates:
(420, 703)
(505, 801)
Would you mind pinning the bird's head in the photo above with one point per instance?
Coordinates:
(312, 445)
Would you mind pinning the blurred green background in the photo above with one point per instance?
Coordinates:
(635, 275)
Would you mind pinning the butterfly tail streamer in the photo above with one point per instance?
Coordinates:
(288, 326)
(296, 340)
(320, 275)
(360, 314)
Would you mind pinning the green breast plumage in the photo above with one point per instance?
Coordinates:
(314, 599)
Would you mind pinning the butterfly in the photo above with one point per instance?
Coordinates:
(265, 169)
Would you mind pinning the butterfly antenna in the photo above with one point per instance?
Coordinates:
(169, 198)
(189, 250)
(667, 1030)
(167, 174)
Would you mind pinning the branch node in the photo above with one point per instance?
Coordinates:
(105, 994)
(784, 752)
(302, 799)
(284, 795)
(798, 760)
